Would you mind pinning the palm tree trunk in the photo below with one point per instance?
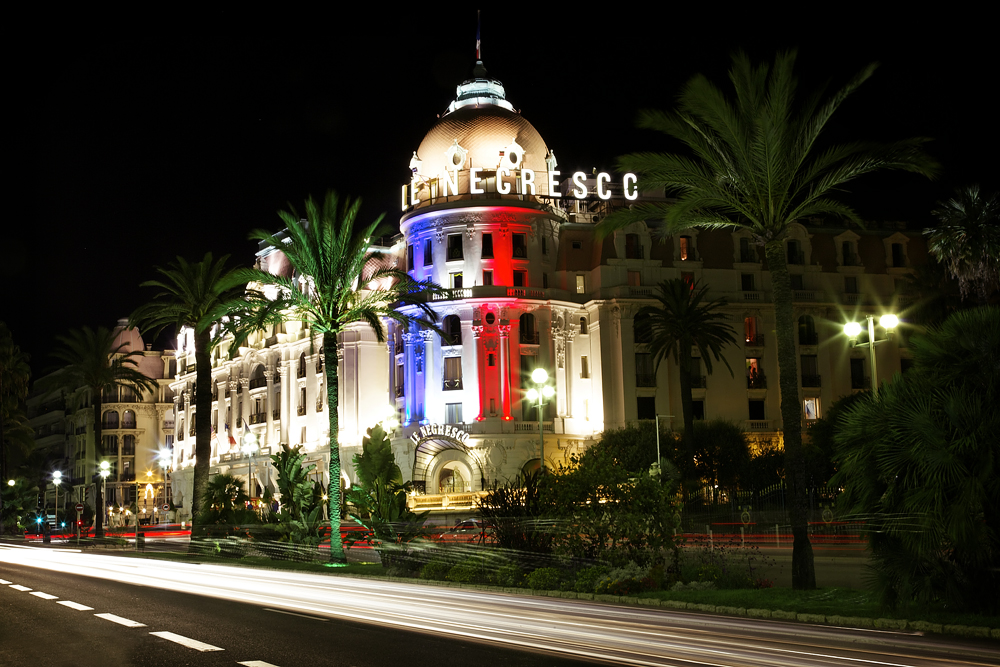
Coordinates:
(687, 410)
(202, 428)
(99, 451)
(332, 402)
(803, 569)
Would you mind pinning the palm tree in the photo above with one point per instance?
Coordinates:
(756, 165)
(197, 295)
(14, 376)
(685, 318)
(342, 282)
(967, 241)
(95, 360)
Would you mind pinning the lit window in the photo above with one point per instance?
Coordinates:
(581, 286)
(584, 368)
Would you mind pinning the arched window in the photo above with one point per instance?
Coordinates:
(128, 445)
(643, 329)
(453, 330)
(302, 365)
(128, 419)
(807, 331)
(257, 378)
(110, 444)
(109, 419)
(583, 325)
(529, 335)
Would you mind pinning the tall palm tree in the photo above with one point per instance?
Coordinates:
(197, 295)
(14, 376)
(683, 319)
(95, 360)
(755, 163)
(967, 241)
(342, 282)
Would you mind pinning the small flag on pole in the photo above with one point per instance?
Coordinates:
(477, 36)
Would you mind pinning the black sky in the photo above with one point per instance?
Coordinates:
(143, 137)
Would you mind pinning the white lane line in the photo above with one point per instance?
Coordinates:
(74, 605)
(187, 641)
(19, 587)
(45, 596)
(256, 663)
(4, 582)
(121, 621)
(292, 613)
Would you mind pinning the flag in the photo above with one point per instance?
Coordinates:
(477, 36)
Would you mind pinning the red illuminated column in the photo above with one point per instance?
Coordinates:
(505, 369)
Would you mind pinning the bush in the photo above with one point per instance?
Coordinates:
(725, 565)
(544, 579)
(587, 578)
(622, 580)
(436, 569)
(508, 576)
(469, 571)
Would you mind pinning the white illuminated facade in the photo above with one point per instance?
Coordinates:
(488, 215)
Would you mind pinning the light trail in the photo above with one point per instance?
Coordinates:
(596, 631)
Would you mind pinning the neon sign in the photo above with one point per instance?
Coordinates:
(526, 179)
(445, 430)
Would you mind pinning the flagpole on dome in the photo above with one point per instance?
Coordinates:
(479, 57)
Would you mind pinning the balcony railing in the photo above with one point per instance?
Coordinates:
(520, 251)
(126, 477)
(128, 451)
(812, 380)
(749, 257)
(128, 424)
(850, 259)
(258, 417)
(320, 405)
(755, 341)
(191, 431)
(300, 410)
(808, 339)
(529, 338)
(451, 385)
(275, 414)
(633, 252)
(860, 382)
(699, 381)
(645, 379)
(257, 383)
(301, 372)
(399, 390)
(756, 382)
(796, 257)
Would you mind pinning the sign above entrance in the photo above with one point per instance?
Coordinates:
(438, 431)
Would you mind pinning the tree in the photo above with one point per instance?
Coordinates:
(339, 281)
(920, 464)
(14, 376)
(95, 360)
(197, 295)
(967, 240)
(685, 318)
(756, 164)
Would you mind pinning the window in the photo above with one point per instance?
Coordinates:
(110, 444)
(633, 279)
(748, 253)
(646, 407)
(686, 249)
(453, 413)
(520, 245)
(110, 420)
(576, 245)
(583, 326)
(487, 278)
(545, 246)
(643, 329)
(756, 409)
(493, 406)
(807, 331)
(456, 280)
(858, 380)
(453, 330)
(302, 435)
(898, 256)
(698, 409)
(795, 255)
(452, 373)
(409, 258)
(128, 445)
(454, 247)
(400, 379)
(850, 285)
(796, 280)
(584, 368)
(545, 280)
(810, 370)
(632, 248)
(810, 407)
(526, 325)
(746, 282)
(487, 246)
(520, 279)
(491, 360)
(302, 402)
(302, 365)
(581, 285)
(755, 374)
(750, 331)
(128, 395)
(850, 258)
(645, 374)
(428, 252)
(697, 379)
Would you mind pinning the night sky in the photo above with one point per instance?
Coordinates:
(149, 136)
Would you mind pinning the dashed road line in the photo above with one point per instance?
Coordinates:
(292, 613)
(74, 605)
(4, 582)
(19, 587)
(121, 621)
(45, 596)
(186, 641)
(256, 663)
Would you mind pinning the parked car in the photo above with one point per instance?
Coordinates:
(469, 530)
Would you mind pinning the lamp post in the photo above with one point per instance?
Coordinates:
(889, 322)
(164, 458)
(540, 392)
(56, 481)
(105, 471)
(249, 448)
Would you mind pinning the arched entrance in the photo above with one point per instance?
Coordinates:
(443, 464)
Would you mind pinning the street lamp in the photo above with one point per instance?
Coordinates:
(164, 458)
(249, 448)
(105, 471)
(540, 392)
(57, 480)
(889, 322)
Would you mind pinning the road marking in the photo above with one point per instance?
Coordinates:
(291, 613)
(121, 621)
(187, 641)
(19, 587)
(256, 663)
(45, 596)
(4, 582)
(74, 605)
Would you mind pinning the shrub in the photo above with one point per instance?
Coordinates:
(469, 571)
(508, 575)
(622, 580)
(587, 578)
(436, 569)
(544, 579)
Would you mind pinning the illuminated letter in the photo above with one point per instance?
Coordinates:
(553, 186)
(502, 186)
(602, 178)
(474, 181)
(527, 179)
(403, 198)
(580, 181)
(413, 193)
(631, 192)
(450, 184)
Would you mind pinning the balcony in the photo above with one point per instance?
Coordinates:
(699, 381)
(301, 410)
(804, 295)
(645, 379)
(812, 380)
(633, 252)
(757, 425)
(451, 385)
(796, 258)
(756, 340)
(756, 382)
(749, 257)
(858, 382)
(258, 417)
(257, 383)
(276, 414)
(128, 451)
(752, 297)
(399, 390)
(128, 424)
(301, 372)
(320, 405)
(126, 477)
(808, 339)
(853, 298)
(454, 253)
(519, 252)
(529, 338)
(851, 259)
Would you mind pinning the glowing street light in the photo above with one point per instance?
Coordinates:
(249, 448)
(852, 330)
(540, 392)
(56, 481)
(105, 471)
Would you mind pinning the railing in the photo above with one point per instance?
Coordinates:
(128, 424)
(808, 339)
(525, 293)
(804, 295)
(532, 426)
(796, 257)
(168, 424)
(520, 251)
(455, 253)
(860, 382)
(699, 381)
(529, 338)
(191, 431)
(320, 404)
(301, 373)
(128, 451)
(451, 385)
(258, 417)
(275, 414)
(640, 290)
(850, 259)
(645, 379)
(399, 390)
(812, 380)
(691, 256)
(452, 294)
(257, 383)
(853, 298)
(127, 477)
(300, 410)
(757, 425)
(633, 252)
(755, 341)
(180, 435)
(756, 382)
(749, 257)
(751, 296)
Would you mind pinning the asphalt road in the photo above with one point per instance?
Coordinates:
(222, 615)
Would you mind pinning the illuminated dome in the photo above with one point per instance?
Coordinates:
(480, 129)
